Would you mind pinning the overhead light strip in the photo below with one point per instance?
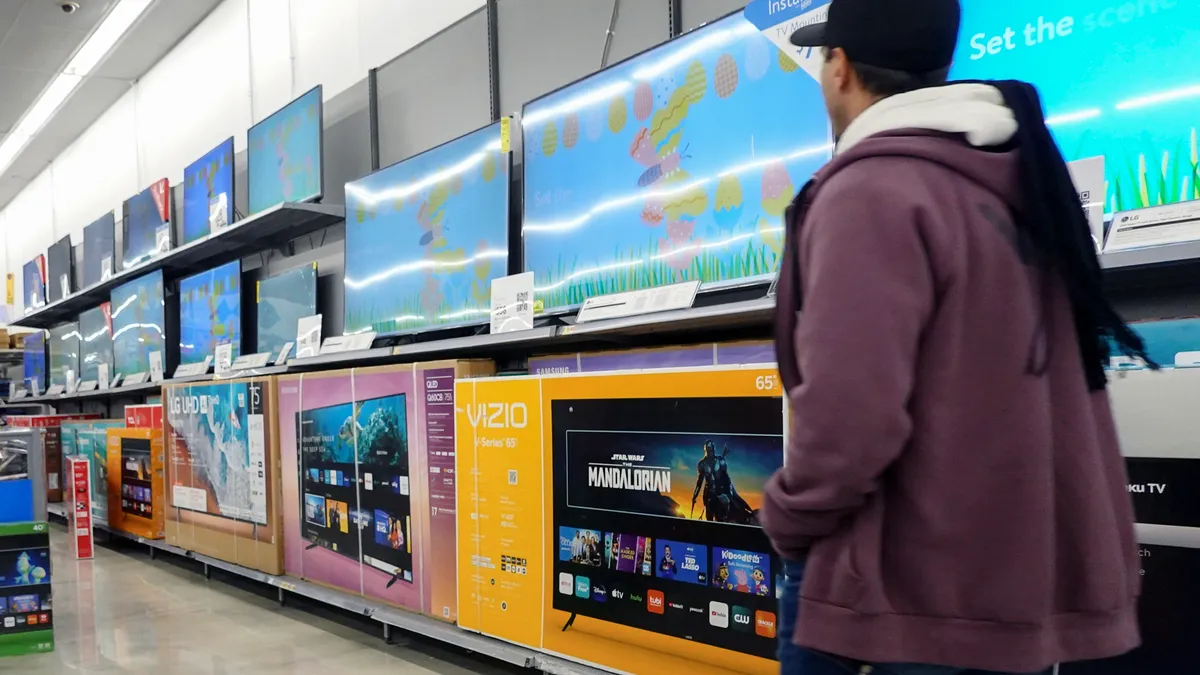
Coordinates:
(94, 49)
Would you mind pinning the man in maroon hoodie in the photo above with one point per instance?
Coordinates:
(953, 496)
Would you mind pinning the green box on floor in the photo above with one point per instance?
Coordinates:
(26, 606)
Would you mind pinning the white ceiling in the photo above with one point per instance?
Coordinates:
(37, 39)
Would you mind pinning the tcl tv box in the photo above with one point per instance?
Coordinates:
(223, 471)
(135, 482)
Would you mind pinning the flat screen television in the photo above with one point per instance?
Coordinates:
(34, 361)
(99, 248)
(1117, 80)
(425, 237)
(60, 273)
(208, 193)
(96, 346)
(33, 276)
(63, 342)
(283, 300)
(210, 312)
(147, 224)
(284, 156)
(138, 323)
(675, 165)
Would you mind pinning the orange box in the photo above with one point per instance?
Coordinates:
(135, 482)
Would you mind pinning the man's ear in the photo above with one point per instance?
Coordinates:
(840, 65)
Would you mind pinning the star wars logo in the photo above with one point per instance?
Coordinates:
(649, 479)
(191, 405)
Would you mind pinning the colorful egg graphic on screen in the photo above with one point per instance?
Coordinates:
(758, 58)
(570, 131)
(643, 101)
(777, 189)
(663, 88)
(786, 62)
(727, 207)
(772, 234)
(593, 122)
(549, 139)
(617, 114)
(483, 266)
(725, 76)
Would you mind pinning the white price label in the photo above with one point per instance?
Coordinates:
(162, 238)
(224, 358)
(308, 336)
(283, 353)
(102, 378)
(512, 303)
(106, 268)
(156, 366)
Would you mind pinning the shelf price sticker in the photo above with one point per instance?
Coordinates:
(512, 303)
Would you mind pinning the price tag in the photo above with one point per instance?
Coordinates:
(34, 385)
(217, 210)
(251, 361)
(194, 369)
(1088, 177)
(106, 268)
(102, 379)
(69, 376)
(162, 238)
(361, 342)
(308, 336)
(87, 385)
(156, 366)
(56, 390)
(634, 303)
(283, 353)
(224, 358)
(136, 378)
(116, 381)
(512, 303)
(65, 282)
(19, 394)
(336, 345)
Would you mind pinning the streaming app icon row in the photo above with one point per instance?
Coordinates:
(720, 614)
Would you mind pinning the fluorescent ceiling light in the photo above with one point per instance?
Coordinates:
(94, 49)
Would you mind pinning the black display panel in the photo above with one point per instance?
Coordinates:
(1166, 491)
(60, 260)
(656, 515)
(96, 346)
(99, 247)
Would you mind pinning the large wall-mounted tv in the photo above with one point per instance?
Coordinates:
(283, 300)
(147, 224)
(284, 156)
(96, 346)
(138, 323)
(425, 237)
(33, 276)
(63, 342)
(208, 193)
(34, 361)
(674, 165)
(60, 272)
(99, 249)
(1117, 80)
(210, 312)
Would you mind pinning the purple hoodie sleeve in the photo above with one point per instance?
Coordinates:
(868, 292)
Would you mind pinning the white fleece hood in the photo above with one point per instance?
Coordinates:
(975, 110)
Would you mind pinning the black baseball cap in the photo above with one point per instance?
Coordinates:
(913, 36)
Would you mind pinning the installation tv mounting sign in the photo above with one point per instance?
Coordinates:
(778, 19)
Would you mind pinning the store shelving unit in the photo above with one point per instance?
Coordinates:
(388, 617)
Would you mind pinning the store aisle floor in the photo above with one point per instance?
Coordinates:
(124, 613)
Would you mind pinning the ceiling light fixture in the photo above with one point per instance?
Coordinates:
(94, 49)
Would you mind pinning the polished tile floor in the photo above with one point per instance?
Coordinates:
(124, 613)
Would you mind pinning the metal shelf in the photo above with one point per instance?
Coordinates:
(389, 617)
(11, 357)
(1151, 256)
(260, 231)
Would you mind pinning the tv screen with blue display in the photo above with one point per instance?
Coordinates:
(284, 155)
(147, 224)
(425, 237)
(63, 342)
(33, 276)
(210, 312)
(34, 361)
(208, 193)
(138, 323)
(675, 165)
(95, 348)
(1117, 80)
(99, 247)
(283, 300)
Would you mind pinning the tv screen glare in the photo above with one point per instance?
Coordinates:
(1117, 80)
(96, 345)
(208, 193)
(34, 279)
(669, 167)
(283, 300)
(60, 261)
(210, 312)
(147, 224)
(284, 155)
(64, 354)
(34, 361)
(425, 237)
(138, 323)
(99, 246)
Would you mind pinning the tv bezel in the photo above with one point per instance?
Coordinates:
(166, 332)
(232, 205)
(41, 275)
(112, 250)
(125, 267)
(83, 338)
(508, 228)
(179, 322)
(53, 275)
(73, 326)
(320, 149)
(258, 301)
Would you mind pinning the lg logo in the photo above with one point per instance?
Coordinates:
(498, 415)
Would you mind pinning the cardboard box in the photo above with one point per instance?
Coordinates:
(144, 416)
(89, 438)
(135, 482)
(53, 446)
(750, 352)
(16, 341)
(223, 497)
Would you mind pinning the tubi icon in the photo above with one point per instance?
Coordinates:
(655, 602)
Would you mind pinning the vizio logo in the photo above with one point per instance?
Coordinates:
(566, 583)
(718, 614)
(498, 415)
(741, 619)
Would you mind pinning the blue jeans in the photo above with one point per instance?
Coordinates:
(794, 660)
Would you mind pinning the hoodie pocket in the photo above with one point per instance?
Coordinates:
(832, 576)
